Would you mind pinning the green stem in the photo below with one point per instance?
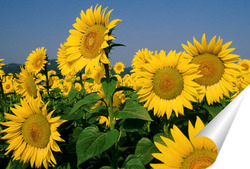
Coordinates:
(3, 96)
(46, 74)
(80, 75)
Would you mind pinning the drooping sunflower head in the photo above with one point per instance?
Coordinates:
(64, 65)
(27, 86)
(32, 133)
(87, 42)
(184, 153)
(245, 65)
(217, 66)
(119, 67)
(36, 60)
(142, 57)
(168, 83)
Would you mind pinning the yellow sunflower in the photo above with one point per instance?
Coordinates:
(27, 86)
(184, 153)
(86, 44)
(1, 64)
(32, 133)
(65, 88)
(142, 57)
(65, 66)
(36, 60)
(168, 83)
(119, 67)
(7, 86)
(78, 86)
(245, 65)
(217, 66)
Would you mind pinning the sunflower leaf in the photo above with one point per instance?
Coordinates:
(109, 86)
(92, 142)
(133, 110)
(144, 149)
(76, 112)
(133, 162)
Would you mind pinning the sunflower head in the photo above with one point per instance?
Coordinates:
(32, 133)
(36, 60)
(119, 67)
(27, 86)
(186, 153)
(87, 42)
(167, 83)
(216, 65)
(245, 65)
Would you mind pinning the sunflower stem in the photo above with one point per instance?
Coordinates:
(80, 75)
(3, 96)
(46, 74)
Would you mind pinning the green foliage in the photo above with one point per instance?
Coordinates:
(109, 86)
(92, 142)
(133, 162)
(133, 110)
(144, 150)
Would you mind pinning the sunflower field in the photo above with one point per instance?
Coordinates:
(91, 115)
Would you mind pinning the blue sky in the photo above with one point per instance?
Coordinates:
(28, 24)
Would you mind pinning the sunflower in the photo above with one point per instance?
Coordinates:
(78, 86)
(65, 66)
(142, 57)
(65, 87)
(7, 86)
(245, 65)
(36, 60)
(27, 86)
(1, 64)
(184, 153)
(119, 67)
(86, 44)
(32, 133)
(216, 65)
(168, 83)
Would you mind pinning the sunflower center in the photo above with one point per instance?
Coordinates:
(38, 62)
(36, 131)
(199, 159)
(211, 67)
(7, 86)
(65, 89)
(31, 87)
(168, 83)
(92, 41)
(246, 67)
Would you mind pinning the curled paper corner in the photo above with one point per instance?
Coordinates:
(230, 131)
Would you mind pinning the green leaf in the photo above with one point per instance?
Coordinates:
(133, 110)
(73, 93)
(17, 165)
(133, 162)
(214, 109)
(106, 167)
(92, 142)
(88, 102)
(157, 138)
(124, 88)
(144, 149)
(98, 111)
(90, 80)
(109, 86)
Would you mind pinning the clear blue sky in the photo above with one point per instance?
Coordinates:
(28, 24)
